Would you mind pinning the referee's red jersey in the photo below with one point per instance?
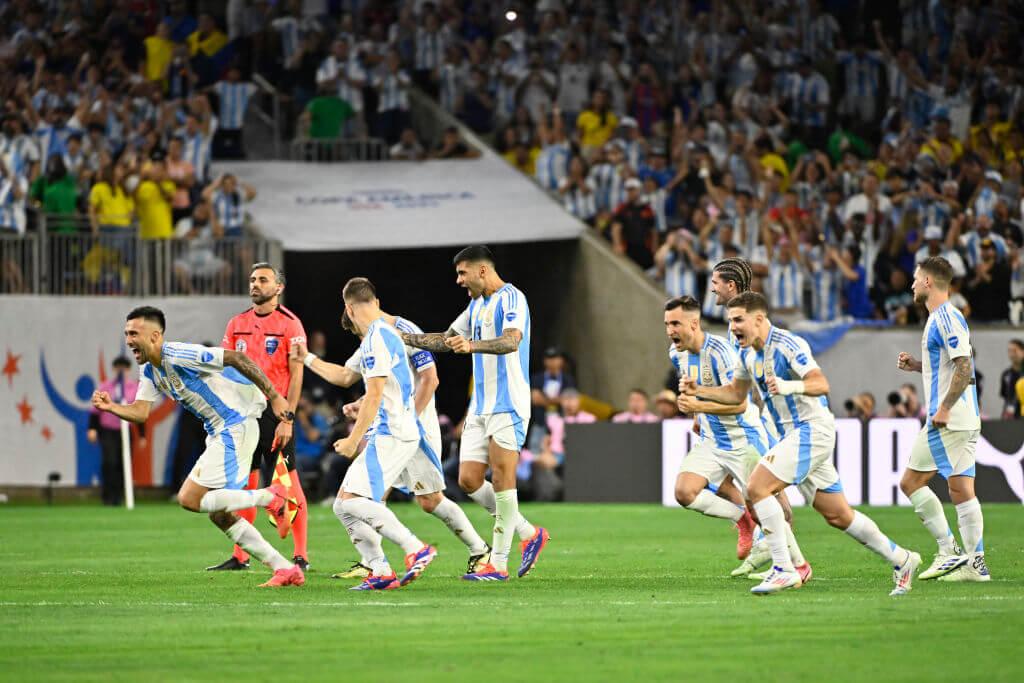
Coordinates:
(266, 339)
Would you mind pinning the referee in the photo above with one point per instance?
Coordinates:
(265, 333)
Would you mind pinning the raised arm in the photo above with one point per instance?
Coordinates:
(137, 411)
(338, 375)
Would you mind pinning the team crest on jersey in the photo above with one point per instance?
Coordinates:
(207, 356)
(369, 362)
(271, 344)
(240, 345)
(801, 358)
(510, 316)
(953, 342)
(176, 382)
(708, 378)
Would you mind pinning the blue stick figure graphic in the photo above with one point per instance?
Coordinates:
(87, 455)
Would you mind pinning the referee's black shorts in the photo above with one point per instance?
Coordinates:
(263, 459)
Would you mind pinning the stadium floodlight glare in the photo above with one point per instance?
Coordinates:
(511, 15)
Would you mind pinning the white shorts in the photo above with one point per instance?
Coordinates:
(949, 452)
(804, 458)
(714, 464)
(225, 462)
(379, 466)
(424, 473)
(507, 429)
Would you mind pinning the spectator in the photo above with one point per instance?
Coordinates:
(637, 410)
(936, 246)
(233, 95)
(56, 193)
(856, 301)
(548, 384)
(227, 197)
(199, 262)
(311, 431)
(325, 116)
(105, 429)
(665, 405)
(597, 123)
(159, 54)
(578, 193)
(452, 146)
(1009, 379)
(153, 201)
(988, 288)
(111, 207)
(408, 147)
(633, 230)
(344, 75)
(208, 47)
(392, 99)
(183, 175)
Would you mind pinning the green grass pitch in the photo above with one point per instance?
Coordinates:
(622, 593)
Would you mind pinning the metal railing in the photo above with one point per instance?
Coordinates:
(339, 149)
(272, 119)
(83, 263)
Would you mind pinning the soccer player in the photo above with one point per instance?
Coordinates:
(389, 405)
(265, 333)
(227, 391)
(794, 388)
(424, 477)
(947, 441)
(495, 329)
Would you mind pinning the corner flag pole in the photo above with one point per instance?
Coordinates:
(126, 463)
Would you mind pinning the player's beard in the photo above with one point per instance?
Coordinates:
(260, 298)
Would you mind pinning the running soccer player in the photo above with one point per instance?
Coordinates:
(424, 477)
(495, 329)
(794, 390)
(266, 333)
(389, 405)
(732, 438)
(946, 443)
(226, 390)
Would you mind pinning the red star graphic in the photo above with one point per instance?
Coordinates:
(11, 367)
(46, 433)
(25, 408)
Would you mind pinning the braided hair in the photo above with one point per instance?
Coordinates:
(737, 270)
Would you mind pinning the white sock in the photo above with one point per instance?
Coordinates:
(383, 521)
(455, 519)
(711, 505)
(972, 526)
(227, 500)
(773, 523)
(485, 497)
(245, 535)
(365, 540)
(867, 532)
(794, 547)
(506, 511)
(929, 510)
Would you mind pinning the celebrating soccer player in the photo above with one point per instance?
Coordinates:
(495, 329)
(226, 390)
(794, 390)
(947, 441)
(265, 333)
(423, 477)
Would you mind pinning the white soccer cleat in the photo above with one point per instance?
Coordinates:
(777, 580)
(942, 565)
(759, 556)
(974, 570)
(903, 575)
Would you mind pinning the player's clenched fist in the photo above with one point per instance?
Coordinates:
(298, 351)
(101, 400)
(687, 385)
(459, 344)
(907, 362)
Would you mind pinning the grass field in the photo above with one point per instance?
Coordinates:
(623, 592)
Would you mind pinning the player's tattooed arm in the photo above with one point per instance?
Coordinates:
(433, 342)
(506, 343)
(239, 361)
(961, 380)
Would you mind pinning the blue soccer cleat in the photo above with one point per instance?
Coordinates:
(486, 573)
(416, 562)
(530, 550)
(378, 583)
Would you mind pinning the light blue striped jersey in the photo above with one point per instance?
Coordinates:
(195, 376)
(786, 284)
(501, 383)
(552, 165)
(234, 100)
(786, 356)
(384, 355)
(714, 366)
(946, 337)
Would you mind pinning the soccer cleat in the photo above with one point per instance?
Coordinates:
(486, 573)
(777, 581)
(760, 576)
(805, 573)
(279, 508)
(530, 550)
(387, 582)
(232, 564)
(903, 575)
(974, 571)
(942, 565)
(292, 576)
(358, 570)
(416, 562)
(477, 562)
(759, 556)
(301, 562)
(745, 541)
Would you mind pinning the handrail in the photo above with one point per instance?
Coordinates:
(273, 120)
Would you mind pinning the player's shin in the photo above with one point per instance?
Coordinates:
(864, 529)
(246, 535)
(484, 496)
(929, 510)
(711, 505)
(972, 526)
(794, 548)
(506, 513)
(383, 521)
(365, 540)
(225, 500)
(456, 520)
(773, 524)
